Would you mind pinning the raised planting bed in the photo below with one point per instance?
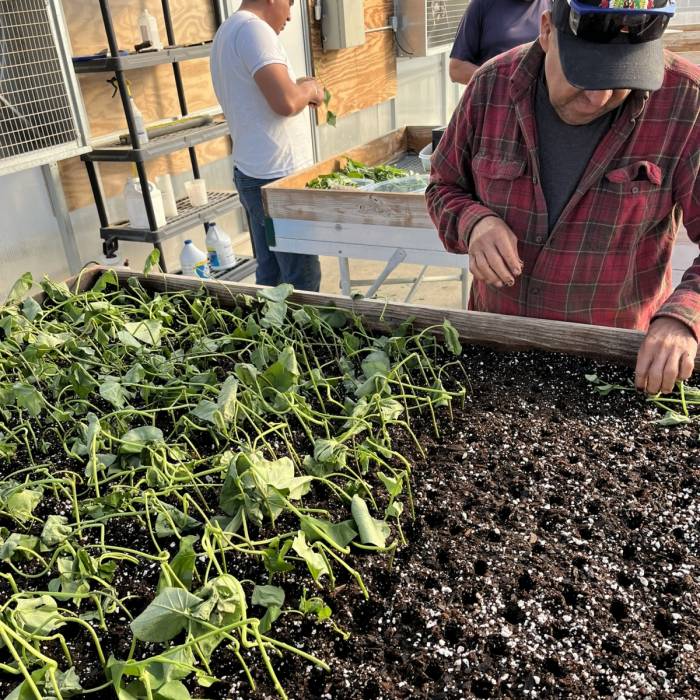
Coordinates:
(217, 490)
(353, 223)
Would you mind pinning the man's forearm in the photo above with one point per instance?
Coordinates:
(461, 71)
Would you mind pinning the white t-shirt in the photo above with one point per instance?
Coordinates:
(265, 144)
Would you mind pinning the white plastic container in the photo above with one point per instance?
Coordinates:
(194, 261)
(149, 30)
(136, 207)
(165, 185)
(197, 192)
(425, 155)
(139, 123)
(219, 248)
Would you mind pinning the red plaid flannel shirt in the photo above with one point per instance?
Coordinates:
(607, 259)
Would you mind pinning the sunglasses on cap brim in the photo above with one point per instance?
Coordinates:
(613, 21)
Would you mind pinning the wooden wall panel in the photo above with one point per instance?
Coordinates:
(362, 76)
(153, 88)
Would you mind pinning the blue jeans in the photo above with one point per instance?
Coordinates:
(302, 271)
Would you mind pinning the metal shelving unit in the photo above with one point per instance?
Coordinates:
(139, 153)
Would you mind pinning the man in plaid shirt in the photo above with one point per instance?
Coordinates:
(564, 172)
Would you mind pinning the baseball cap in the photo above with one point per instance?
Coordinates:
(612, 44)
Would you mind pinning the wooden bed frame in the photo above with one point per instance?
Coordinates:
(508, 333)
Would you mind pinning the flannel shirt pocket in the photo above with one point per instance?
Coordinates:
(500, 184)
(640, 177)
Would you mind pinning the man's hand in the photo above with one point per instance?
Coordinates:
(666, 356)
(316, 90)
(493, 253)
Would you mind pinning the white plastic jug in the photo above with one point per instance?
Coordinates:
(136, 207)
(139, 123)
(194, 261)
(149, 30)
(219, 248)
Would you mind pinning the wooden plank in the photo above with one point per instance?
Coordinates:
(682, 39)
(345, 206)
(420, 239)
(417, 137)
(503, 332)
(359, 77)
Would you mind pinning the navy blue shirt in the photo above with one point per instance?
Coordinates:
(490, 27)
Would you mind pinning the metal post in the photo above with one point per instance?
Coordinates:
(60, 210)
(178, 82)
(121, 81)
(97, 193)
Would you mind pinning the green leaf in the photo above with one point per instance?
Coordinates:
(128, 340)
(393, 485)
(166, 616)
(27, 397)
(172, 521)
(30, 308)
(326, 97)
(274, 557)
(21, 504)
(451, 338)
(283, 374)
(136, 374)
(19, 544)
(279, 293)
(672, 418)
(372, 531)
(153, 260)
(172, 690)
(331, 118)
(69, 682)
(106, 278)
(37, 615)
(20, 289)
(376, 363)
(275, 315)
(182, 565)
(265, 596)
(316, 563)
(206, 411)
(56, 530)
(137, 438)
(228, 399)
(115, 393)
(341, 533)
(148, 331)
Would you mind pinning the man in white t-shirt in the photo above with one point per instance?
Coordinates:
(265, 107)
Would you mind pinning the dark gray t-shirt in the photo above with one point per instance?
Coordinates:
(490, 27)
(564, 150)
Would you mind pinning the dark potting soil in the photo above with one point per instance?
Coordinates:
(555, 553)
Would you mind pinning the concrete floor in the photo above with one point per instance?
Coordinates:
(436, 294)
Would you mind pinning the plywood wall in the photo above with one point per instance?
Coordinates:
(153, 88)
(362, 76)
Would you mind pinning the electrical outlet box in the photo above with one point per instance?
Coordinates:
(342, 24)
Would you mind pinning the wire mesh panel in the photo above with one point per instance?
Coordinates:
(442, 20)
(38, 100)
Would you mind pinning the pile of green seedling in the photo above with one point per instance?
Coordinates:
(258, 431)
(682, 406)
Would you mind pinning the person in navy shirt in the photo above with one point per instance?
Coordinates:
(490, 27)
